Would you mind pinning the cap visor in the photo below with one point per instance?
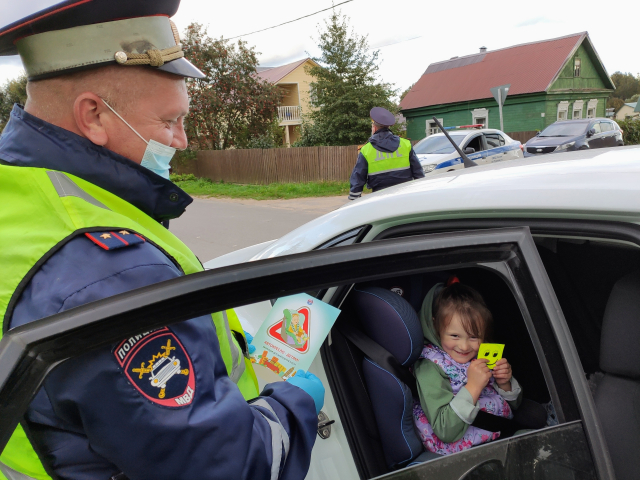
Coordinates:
(182, 67)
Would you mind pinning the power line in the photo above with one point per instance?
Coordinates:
(395, 43)
(291, 21)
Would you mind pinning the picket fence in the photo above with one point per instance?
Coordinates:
(274, 165)
(281, 165)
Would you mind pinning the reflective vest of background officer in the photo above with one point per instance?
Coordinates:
(385, 160)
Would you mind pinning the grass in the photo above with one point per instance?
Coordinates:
(206, 188)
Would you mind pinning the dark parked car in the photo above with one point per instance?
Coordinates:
(571, 135)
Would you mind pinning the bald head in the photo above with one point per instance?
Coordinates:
(153, 102)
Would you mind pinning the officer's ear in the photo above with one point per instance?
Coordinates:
(89, 113)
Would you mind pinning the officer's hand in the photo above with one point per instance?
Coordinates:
(249, 337)
(311, 384)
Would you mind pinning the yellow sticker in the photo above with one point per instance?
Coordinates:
(492, 352)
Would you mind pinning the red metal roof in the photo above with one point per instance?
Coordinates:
(529, 68)
(275, 74)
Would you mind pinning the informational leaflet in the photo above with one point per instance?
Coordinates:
(289, 339)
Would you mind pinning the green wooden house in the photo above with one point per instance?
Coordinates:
(551, 80)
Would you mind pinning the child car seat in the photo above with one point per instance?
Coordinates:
(392, 323)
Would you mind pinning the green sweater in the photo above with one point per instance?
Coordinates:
(450, 415)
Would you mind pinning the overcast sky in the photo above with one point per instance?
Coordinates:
(444, 28)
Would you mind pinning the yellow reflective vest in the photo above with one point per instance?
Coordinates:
(44, 209)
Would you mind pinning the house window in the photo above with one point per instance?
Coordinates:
(480, 115)
(563, 108)
(577, 109)
(592, 107)
(432, 127)
(576, 67)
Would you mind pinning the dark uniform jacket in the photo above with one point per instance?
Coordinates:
(88, 421)
(384, 141)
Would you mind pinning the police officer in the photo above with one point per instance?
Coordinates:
(84, 188)
(385, 160)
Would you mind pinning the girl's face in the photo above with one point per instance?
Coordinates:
(458, 343)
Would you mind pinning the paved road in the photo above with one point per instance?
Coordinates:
(212, 227)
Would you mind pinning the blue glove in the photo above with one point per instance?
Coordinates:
(311, 384)
(249, 337)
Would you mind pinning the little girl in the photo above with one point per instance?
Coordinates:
(452, 384)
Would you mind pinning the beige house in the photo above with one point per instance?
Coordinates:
(627, 111)
(293, 80)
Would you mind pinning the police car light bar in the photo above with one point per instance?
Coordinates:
(459, 127)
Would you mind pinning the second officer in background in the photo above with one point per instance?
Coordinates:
(386, 159)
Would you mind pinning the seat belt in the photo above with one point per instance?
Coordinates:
(379, 355)
(388, 362)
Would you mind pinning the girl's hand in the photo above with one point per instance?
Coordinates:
(502, 374)
(478, 375)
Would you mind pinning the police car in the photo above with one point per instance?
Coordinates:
(482, 145)
(553, 245)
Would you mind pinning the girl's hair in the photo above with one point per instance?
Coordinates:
(468, 304)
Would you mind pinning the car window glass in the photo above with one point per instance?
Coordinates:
(493, 140)
(596, 127)
(437, 144)
(564, 129)
(606, 126)
(476, 143)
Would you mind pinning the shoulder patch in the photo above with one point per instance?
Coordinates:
(114, 240)
(159, 367)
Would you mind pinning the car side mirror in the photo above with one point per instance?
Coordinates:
(591, 132)
(469, 150)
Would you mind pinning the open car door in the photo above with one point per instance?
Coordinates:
(575, 447)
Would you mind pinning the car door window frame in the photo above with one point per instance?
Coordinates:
(559, 385)
(483, 145)
(29, 352)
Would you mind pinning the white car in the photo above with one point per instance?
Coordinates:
(576, 217)
(553, 245)
(486, 145)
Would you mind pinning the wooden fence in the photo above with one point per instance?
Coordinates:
(281, 165)
(522, 137)
(275, 165)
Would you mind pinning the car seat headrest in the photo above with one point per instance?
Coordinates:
(620, 340)
(390, 321)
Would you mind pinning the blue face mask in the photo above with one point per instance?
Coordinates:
(156, 156)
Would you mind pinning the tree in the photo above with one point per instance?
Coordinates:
(345, 87)
(232, 106)
(633, 99)
(615, 103)
(404, 94)
(626, 85)
(14, 91)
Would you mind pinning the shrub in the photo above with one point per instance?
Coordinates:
(631, 129)
(176, 177)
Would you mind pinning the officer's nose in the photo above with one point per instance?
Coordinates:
(179, 137)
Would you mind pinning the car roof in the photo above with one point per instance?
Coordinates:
(581, 120)
(592, 184)
(467, 131)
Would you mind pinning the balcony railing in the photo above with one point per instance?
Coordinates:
(290, 114)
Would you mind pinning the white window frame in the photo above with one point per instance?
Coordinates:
(592, 106)
(578, 107)
(480, 113)
(432, 128)
(563, 107)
